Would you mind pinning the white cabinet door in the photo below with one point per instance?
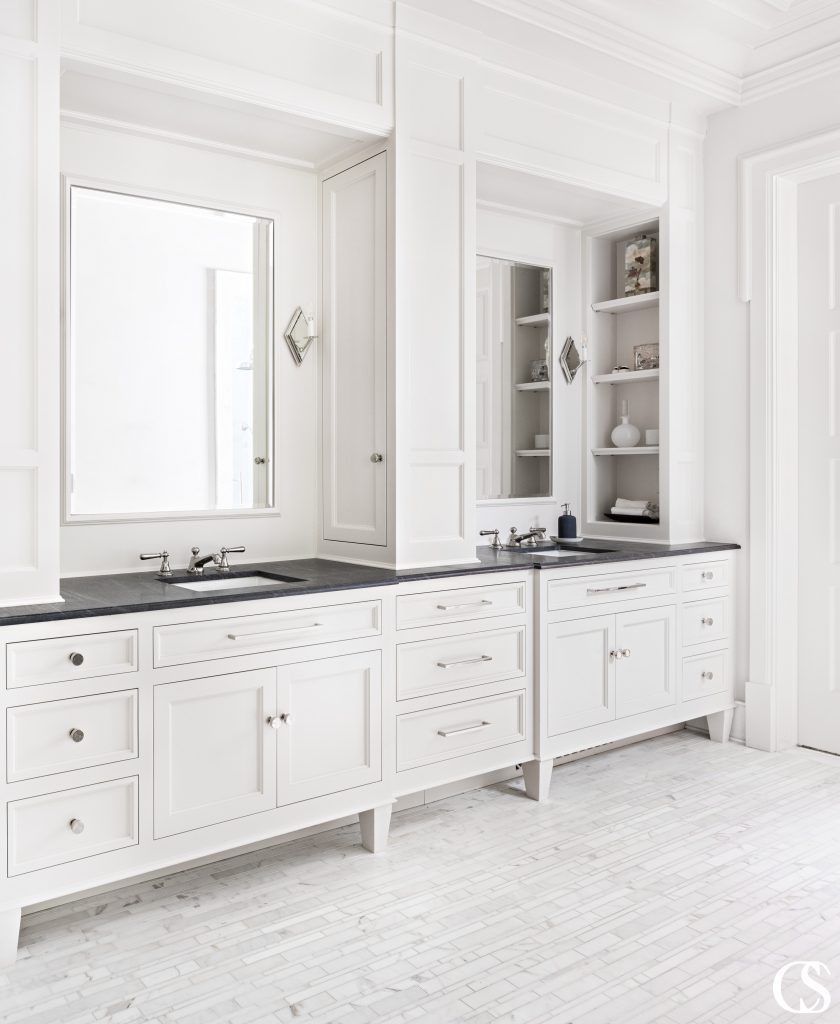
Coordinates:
(331, 736)
(215, 751)
(645, 664)
(581, 681)
(354, 329)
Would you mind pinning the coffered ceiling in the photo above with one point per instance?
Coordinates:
(728, 51)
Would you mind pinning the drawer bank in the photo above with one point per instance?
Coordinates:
(146, 732)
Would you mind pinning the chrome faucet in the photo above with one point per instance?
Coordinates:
(515, 540)
(219, 560)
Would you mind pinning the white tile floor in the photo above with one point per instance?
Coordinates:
(664, 882)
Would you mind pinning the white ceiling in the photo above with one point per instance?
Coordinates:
(731, 51)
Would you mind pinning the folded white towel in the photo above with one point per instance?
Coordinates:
(636, 513)
(627, 503)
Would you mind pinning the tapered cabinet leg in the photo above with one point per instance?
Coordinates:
(720, 725)
(375, 824)
(9, 934)
(537, 775)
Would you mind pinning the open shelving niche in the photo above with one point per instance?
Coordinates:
(531, 413)
(615, 324)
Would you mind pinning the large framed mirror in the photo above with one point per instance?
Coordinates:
(168, 358)
(514, 380)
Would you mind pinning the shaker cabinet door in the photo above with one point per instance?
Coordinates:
(646, 662)
(354, 377)
(215, 750)
(331, 736)
(581, 683)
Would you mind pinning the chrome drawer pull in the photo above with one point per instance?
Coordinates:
(274, 632)
(707, 675)
(76, 735)
(77, 659)
(463, 604)
(77, 826)
(707, 621)
(465, 661)
(446, 733)
(613, 590)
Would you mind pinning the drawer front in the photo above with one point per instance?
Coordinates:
(704, 674)
(251, 634)
(64, 735)
(63, 658)
(62, 827)
(704, 621)
(705, 576)
(597, 590)
(463, 605)
(437, 666)
(426, 737)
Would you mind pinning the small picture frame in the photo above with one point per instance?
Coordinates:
(646, 357)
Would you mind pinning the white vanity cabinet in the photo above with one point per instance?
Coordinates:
(626, 649)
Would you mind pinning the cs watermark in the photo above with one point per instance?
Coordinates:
(799, 975)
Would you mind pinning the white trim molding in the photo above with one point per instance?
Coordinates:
(768, 182)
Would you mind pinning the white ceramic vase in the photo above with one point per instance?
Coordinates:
(625, 435)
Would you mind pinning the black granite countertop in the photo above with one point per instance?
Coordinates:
(122, 593)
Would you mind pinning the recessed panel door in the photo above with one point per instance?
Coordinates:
(645, 660)
(581, 682)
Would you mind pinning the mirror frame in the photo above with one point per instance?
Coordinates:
(70, 181)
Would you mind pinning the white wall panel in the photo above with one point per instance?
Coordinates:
(303, 58)
(29, 251)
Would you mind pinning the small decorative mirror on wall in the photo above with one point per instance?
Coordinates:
(570, 359)
(300, 334)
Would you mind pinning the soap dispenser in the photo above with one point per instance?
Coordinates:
(567, 525)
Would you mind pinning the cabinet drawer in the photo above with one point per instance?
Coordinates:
(705, 576)
(64, 735)
(76, 823)
(464, 605)
(425, 737)
(596, 590)
(436, 666)
(62, 658)
(703, 674)
(703, 621)
(250, 634)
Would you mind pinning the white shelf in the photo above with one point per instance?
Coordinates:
(534, 321)
(530, 453)
(643, 449)
(537, 385)
(629, 377)
(627, 304)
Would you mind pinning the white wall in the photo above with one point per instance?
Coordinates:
(546, 243)
(808, 109)
(289, 197)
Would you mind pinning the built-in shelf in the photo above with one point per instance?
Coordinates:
(530, 453)
(534, 321)
(627, 304)
(626, 377)
(537, 385)
(644, 449)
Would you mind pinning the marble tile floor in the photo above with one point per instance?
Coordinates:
(667, 881)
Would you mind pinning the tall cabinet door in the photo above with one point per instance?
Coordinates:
(354, 381)
(215, 751)
(331, 738)
(581, 678)
(646, 669)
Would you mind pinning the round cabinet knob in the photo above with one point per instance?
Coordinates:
(377, 457)
(76, 735)
(625, 652)
(708, 675)
(708, 575)
(77, 826)
(286, 717)
(707, 621)
(259, 461)
(615, 655)
(274, 721)
(77, 659)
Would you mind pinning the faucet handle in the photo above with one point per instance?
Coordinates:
(222, 564)
(165, 567)
(495, 542)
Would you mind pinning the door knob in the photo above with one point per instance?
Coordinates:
(377, 457)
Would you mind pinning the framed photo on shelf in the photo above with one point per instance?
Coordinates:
(646, 357)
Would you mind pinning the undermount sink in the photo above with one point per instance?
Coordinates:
(235, 582)
(571, 550)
